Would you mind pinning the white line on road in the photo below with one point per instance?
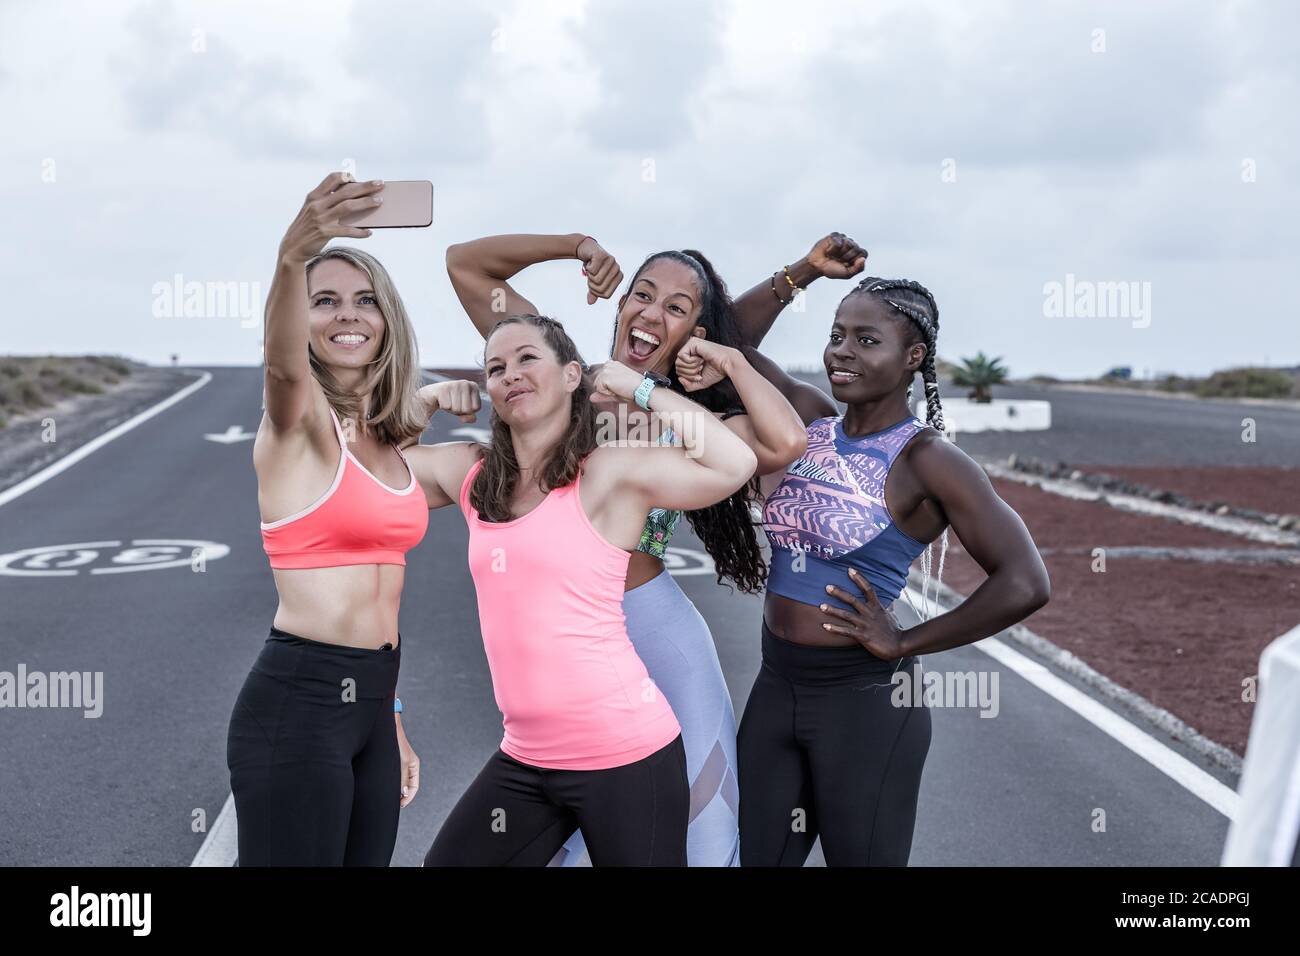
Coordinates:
(70, 459)
(221, 845)
(1173, 764)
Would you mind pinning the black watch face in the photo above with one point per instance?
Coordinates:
(657, 378)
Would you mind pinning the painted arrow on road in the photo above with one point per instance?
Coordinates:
(232, 434)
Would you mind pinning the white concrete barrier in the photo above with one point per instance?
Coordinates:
(963, 415)
(1266, 830)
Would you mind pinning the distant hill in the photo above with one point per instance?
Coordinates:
(31, 383)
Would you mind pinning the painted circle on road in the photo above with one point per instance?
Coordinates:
(685, 561)
(109, 557)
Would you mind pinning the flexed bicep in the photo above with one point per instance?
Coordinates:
(485, 298)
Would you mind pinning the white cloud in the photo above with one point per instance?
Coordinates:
(766, 126)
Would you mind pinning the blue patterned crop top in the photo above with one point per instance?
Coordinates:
(829, 515)
(660, 523)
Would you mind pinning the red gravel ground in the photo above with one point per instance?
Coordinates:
(1183, 634)
(1274, 490)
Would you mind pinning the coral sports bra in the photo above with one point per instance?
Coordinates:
(358, 520)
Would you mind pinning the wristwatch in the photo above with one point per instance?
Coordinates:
(648, 384)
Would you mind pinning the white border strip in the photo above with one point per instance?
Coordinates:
(70, 459)
(1242, 527)
(1169, 762)
(221, 845)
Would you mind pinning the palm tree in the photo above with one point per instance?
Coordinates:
(980, 374)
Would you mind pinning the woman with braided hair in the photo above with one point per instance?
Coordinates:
(825, 749)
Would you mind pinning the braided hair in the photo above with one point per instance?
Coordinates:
(916, 302)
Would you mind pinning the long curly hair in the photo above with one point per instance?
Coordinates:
(727, 529)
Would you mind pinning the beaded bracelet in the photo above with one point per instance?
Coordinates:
(772, 281)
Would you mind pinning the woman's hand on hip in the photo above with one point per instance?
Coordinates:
(868, 623)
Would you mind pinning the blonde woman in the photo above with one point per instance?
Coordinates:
(319, 765)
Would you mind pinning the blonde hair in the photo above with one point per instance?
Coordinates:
(396, 413)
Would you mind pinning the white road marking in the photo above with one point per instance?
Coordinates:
(683, 562)
(143, 554)
(232, 434)
(481, 435)
(1174, 765)
(70, 459)
(1242, 527)
(221, 845)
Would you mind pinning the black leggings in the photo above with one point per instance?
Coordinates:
(312, 752)
(823, 751)
(515, 814)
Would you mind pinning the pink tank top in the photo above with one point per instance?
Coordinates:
(573, 693)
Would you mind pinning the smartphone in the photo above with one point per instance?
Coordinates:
(407, 203)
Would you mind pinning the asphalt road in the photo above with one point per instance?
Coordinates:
(174, 645)
(1121, 428)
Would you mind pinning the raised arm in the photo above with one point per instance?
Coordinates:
(480, 270)
(287, 367)
(809, 401)
(441, 469)
(836, 256)
(711, 465)
(770, 425)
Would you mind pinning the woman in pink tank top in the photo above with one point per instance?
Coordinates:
(589, 742)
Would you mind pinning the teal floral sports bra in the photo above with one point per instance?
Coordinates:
(661, 522)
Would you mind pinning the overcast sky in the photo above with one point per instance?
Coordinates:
(986, 150)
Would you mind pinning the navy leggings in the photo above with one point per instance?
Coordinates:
(313, 757)
(824, 752)
(516, 814)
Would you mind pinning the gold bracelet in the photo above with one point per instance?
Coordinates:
(786, 270)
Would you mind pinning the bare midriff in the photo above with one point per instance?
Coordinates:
(801, 623)
(354, 605)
